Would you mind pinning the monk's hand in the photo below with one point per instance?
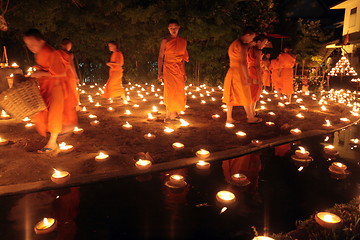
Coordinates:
(185, 78)
(160, 78)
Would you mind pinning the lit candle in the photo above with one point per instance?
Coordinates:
(177, 146)
(354, 141)
(151, 117)
(149, 136)
(92, 116)
(225, 197)
(83, 109)
(78, 130)
(94, 123)
(29, 125)
(271, 113)
(240, 134)
(338, 166)
(154, 109)
(323, 108)
(60, 177)
(46, 225)
(327, 220)
(256, 142)
(127, 126)
(110, 109)
(136, 106)
(330, 149)
(3, 141)
(143, 164)
(101, 157)
(168, 130)
(177, 181)
(184, 123)
(302, 153)
(202, 153)
(14, 65)
(97, 104)
(344, 119)
(26, 119)
(262, 238)
(238, 178)
(295, 131)
(229, 125)
(202, 165)
(127, 112)
(299, 115)
(270, 124)
(4, 115)
(65, 148)
(327, 124)
(215, 116)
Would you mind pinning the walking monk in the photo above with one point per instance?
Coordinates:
(51, 75)
(71, 75)
(171, 70)
(114, 86)
(287, 62)
(237, 83)
(255, 72)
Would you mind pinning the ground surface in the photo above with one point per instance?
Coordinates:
(19, 162)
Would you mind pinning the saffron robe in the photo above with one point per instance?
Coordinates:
(253, 60)
(287, 62)
(175, 54)
(60, 112)
(71, 81)
(114, 86)
(275, 68)
(236, 86)
(265, 65)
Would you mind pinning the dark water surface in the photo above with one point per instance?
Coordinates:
(144, 208)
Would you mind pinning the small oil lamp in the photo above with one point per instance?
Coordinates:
(101, 157)
(127, 112)
(46, 225)
(225, 197)
(202, 165)
(295, 131)
(271, 113)
(240, 134)
(215, 116)
(300, 115)
(168, 130)
(97, 104)
(354, 141)
(323, 108)
(14, 65)
(94, 123)
(184, 123)
(202, 153)
(149, 136)
(270, 124)
(136, 106)
(178, 146)
(344, 119)
(327, 124)
(229, 125)
(176, 181)
(65, 148)
(143, 164)
(151, 117)
(4, 115)
(83, 109)
(78, 130)
(92, 116)
(338, 166)
(60, 177)
(302, 153)
(330, 149)
(26, 119)
(110, 109)
(327, 220)
(29, 125)
(238, 178)
(263, 238)
(3, 141)
(127, 126)
(256, 142)
(154, 110)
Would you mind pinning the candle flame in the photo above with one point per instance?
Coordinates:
(57, 173)
(184, 123)
(46, 222)
(223, 210)
(168, 130)
(302, 150)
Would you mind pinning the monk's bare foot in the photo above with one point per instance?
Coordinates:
(255, 120)
(232, 121)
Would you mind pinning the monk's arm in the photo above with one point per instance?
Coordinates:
(258, 65)
(161, 59)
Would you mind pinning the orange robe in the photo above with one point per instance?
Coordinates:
(265, 64)
(114, 86)
(71, 81)
(253, 60)
(275, 68)
(236, 88)
(175, 54)
(60, 111)
(287, 62)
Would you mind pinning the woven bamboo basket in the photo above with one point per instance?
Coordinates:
(22, 100)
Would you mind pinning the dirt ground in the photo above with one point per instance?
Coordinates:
(19, 162)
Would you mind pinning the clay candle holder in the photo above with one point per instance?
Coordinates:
(127, 126)
(110, 109)
(330, 149)
(225, 197)
(60, 177)
(4, 115)
(149, 136)
(151, 117)
(143, 164)
(256, 142)
(94, 123)
(354, 142)
(202, 165)
(29, 125)
(327, 124)
(176, 181)
(240, 134)
(338, 167)
(229, 125)
(295, 131)
(177, 146)
(215, 116)
(202, 153)
(101, 157)
(46, 225)
(78, 130)
(3, 141)
(302, 153)
(168, 130)
(92, 116)
(327, 220)
(238, 178)
(26, 119)
(65, 148)
(184, 123)
(270, 124)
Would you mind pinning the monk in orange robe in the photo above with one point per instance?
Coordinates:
(171, 70)
(71, 75)
(237, 83)
(51, 75)
(275, 68)
(114, 86)
(287, 61)
(254, 67)
(265, 65)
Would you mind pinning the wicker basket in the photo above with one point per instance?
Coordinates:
(22, 100)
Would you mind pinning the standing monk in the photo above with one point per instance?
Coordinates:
(51, 75)
(237, 83)
(287, 62)
(255, 71)
(265, 64)
(114, 86)
(171, 70)
(71, 75)
(275, 68)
